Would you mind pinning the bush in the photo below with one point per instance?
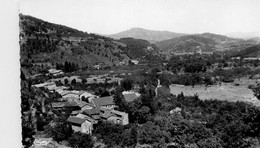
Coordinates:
(80, 140)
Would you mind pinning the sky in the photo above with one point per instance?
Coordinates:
(183, 16)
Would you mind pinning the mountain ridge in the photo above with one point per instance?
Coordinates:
(145, 34)
(206, 42)
(244, 35)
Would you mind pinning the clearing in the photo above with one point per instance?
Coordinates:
(225, 91)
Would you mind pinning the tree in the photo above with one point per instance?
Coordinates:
(84, 99)
(73, 81)
(120, 100)
(142, 115)
(110, 133)
(22, 76)
(27, 132)
(130, 136)
(84, 81)
(66, 81)
(127, 84)
(60, 131)
(80, 140)
(149, 133)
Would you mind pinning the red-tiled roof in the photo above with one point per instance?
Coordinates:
(76, 120)
(103, 101)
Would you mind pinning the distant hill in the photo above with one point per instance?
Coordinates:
(140, 49)
(256, 39)
(253, 51)
(44, 44)
(149, 35)
(206, 42)
(244, 35)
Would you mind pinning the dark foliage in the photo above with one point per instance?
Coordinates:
(79, 140)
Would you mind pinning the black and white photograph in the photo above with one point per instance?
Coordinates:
(139, 73)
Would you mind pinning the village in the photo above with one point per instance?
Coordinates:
(87, 109)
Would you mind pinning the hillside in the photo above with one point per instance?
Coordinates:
(44, 45)
(206, 42)
(149, 35)
(253, 51)
(140, 49)
(256, 39)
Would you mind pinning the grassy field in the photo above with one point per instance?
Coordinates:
(225, 91)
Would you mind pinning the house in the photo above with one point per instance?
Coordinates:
(75, 112)
(46, 84)
(83, 121)
(87, 106)
(80, 124)
(83, 104)
(60, 88)
(35, 76)
(114, 116)
(62, 105)
(58, 105)
(93, 113)
(86, 95)
(135, 62)
(105, 102)
(130, 95)
(122, 115)
(68, 94)
(55, 72)
(62, 93)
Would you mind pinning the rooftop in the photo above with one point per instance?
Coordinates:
(130, 97)
(93, 111)
(76, 120)
(58, 104)
(53, 71)
(103, 101)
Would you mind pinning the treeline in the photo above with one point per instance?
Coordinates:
(190, 64)
(67, 66)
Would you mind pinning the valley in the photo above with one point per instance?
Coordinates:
(137, 88)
